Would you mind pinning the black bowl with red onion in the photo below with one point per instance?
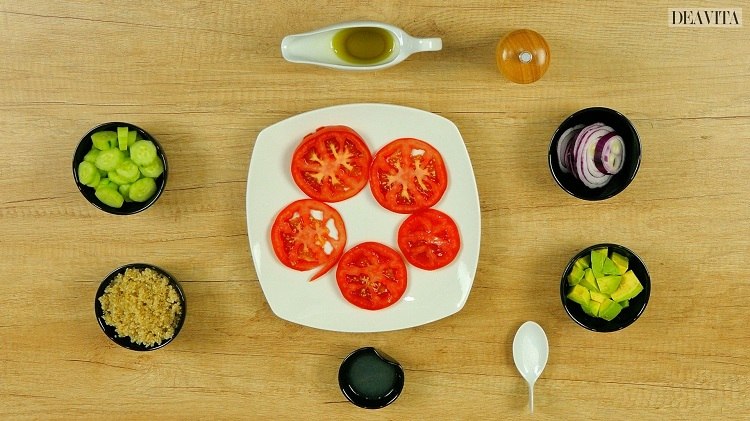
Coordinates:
(595, 153)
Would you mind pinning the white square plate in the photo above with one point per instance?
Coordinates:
(430, 295)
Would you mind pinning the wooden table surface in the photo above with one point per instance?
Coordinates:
(206, 77)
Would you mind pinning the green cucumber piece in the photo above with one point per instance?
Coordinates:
(91, 155)
(117, 178)
(143, 152)
(88, 174)
(109, 159)
(142, 190)
(122, 138)
(104, 139)
(153, 169)
(125, 192)
(128, 171)
(132, 137)
(110, 197)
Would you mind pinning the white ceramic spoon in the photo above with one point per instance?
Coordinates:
(530, 352)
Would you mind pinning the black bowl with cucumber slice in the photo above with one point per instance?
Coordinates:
(605, 287)
(120, 168)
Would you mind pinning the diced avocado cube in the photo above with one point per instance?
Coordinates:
(575, 275)
(592, 309)
(579, 295)
(610, 268)
(583, 262)
(629, 287)
(597, 260)
(621, 262)
(609, 309)
(598, 296)
(588, 281)
(608, 284)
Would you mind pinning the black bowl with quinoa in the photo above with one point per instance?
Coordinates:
(140, 307)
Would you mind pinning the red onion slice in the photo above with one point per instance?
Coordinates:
(612, 156)
(563, 151)
(584, 152)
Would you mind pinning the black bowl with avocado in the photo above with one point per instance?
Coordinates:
(605, 287)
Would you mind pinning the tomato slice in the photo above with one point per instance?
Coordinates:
(429, 239)
(371, 276)
(332, 164)
(407, 175)
(307, 234)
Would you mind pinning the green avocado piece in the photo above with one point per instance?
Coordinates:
(597, 260)
(583, 262)
(589, 281)
(629, 287)
(620, 261)
(610, 268)
(608, 284)
(609, 309)
(579, 295)
(592, 309)
(575, 276)
(624, 304)
(598, 296)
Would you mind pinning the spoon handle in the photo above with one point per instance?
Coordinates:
(531, 398)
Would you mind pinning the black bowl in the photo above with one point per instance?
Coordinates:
(124, 341)
(128, 208)
(629, 314)
(619, 181)
(370, 379)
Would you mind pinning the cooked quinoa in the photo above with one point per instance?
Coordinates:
(142, 305)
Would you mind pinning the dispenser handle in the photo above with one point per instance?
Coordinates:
(429, 44)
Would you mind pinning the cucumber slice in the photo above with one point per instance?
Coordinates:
(124, 191)
(142, 190)
(143, 152)
(103, 183)
(128, 171)
(110, 197)
(104, 139)
(153, 169)
(88, 174)
(117, 178)
(109, 159)
(132, 137)
(122, 138)
(91, 155)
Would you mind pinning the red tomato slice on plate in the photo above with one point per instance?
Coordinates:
(307, 234)
(407, 175)
(371, 276)
(429, 239)
(332, 164)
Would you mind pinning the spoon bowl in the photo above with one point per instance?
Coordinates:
(530, 353)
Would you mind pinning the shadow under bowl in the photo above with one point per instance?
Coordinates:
(619, 181)
(370, 379)
(128, 208)
(629, 314)
(124, 341)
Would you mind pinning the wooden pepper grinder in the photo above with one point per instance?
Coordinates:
(523, 56)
